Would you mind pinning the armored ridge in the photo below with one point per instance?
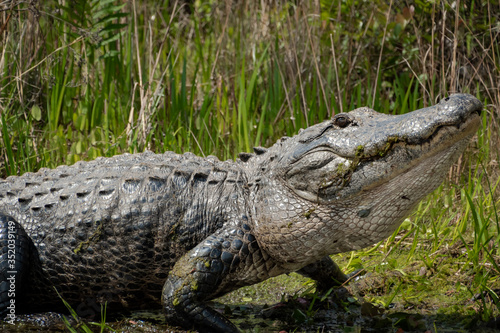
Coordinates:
(148, 230)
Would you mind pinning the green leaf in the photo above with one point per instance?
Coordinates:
(36, 112)
(110, 17)
(112, 53)
(112, 39)
(11, 165)
(112, 27)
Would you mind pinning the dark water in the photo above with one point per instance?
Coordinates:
(294, 315)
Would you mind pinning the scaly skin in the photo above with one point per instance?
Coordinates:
(146, 230)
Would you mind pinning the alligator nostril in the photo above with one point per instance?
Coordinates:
(446, 99)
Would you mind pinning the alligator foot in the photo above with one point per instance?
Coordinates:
(326, 273)
(205, 272)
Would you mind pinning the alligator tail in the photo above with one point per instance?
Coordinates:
(15, 252)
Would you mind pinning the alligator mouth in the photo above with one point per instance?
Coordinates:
(400, 156)
(470, 125)
(444, 138)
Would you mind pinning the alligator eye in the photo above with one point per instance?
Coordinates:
(341, 121)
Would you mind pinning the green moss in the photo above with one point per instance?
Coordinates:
(389, 144)
(341, 168)
(343, 174)
(92, 239)
(359, 150)
(267, 292)
(308, 213)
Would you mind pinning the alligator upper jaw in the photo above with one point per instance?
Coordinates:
(443, 137)
(403, 157)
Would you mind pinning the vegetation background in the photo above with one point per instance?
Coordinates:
(81, 79)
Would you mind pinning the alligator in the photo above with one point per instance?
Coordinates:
(144, 231)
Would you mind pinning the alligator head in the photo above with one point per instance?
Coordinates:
(349, 182)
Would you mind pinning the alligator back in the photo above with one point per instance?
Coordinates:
(114, 227)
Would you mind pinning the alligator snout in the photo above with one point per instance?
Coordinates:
(460, 111)
(462, 105)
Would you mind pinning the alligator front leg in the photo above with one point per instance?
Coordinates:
(191, 282)
(326, 272)
(208, 271)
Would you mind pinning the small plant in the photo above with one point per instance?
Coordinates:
(81, 326)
